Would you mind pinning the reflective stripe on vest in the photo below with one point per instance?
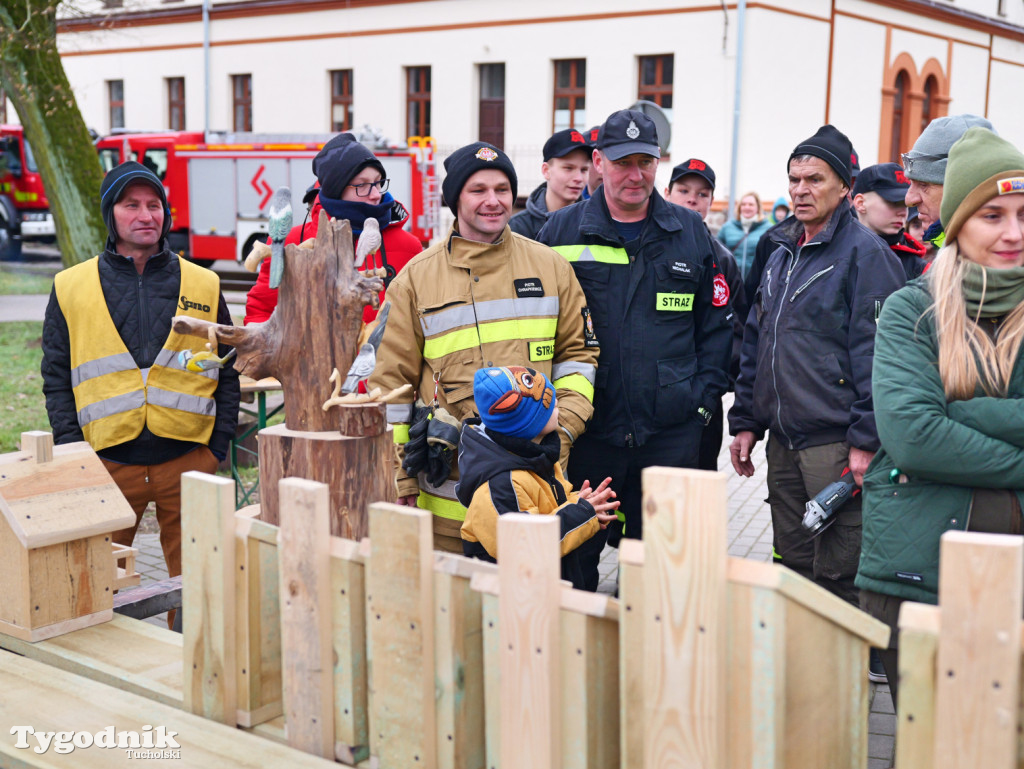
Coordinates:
(498, 320)
(503, 331)
(606, 254)
(399, 412)
(113, 401)
(441, 501)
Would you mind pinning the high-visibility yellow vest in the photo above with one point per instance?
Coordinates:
(113, 399)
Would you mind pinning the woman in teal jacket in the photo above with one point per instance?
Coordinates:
(740, 235)
(946, 383)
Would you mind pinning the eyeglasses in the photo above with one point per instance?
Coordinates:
(363, 190)
(908, 160)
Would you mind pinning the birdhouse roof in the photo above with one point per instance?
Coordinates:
(69, 497)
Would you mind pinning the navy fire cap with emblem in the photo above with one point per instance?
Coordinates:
(628, 132)
(696, 167)
(465, 162)
(886, 179)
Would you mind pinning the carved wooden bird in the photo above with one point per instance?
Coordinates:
(204, 360)
(369, 242)
(366, 359)
(279, 225)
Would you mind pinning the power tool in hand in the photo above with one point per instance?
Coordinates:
(821, 511)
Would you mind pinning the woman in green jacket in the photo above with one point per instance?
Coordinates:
(946, 382)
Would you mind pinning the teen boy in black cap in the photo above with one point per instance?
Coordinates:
(483, 296)
(147, 416)
(692, 185)
(566, 168)
(805, 367)
(661, 312)
(879, 198)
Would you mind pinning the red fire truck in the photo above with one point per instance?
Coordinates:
(218, 187)
(24, 210)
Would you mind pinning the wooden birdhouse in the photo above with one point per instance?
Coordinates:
(58, 569)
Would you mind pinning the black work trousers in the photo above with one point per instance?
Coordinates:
(594, 460)
(794, 478)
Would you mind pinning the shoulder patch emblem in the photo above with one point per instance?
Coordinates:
(721, 295)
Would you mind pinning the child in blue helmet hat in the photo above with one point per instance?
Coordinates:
(508, 462)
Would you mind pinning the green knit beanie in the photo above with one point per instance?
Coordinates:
(981, 166)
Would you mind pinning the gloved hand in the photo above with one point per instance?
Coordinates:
(416, 448)
(442, 443)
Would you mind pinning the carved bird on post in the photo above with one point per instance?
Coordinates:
(369, 242)
(366, 359)
(278, 227)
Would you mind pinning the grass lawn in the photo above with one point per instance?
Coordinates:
(22, 406)
(13, 282)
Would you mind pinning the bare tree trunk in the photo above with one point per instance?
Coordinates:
(32, 74)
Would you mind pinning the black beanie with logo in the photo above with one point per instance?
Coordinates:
(465, 162)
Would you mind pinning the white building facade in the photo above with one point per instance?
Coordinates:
(512, 72)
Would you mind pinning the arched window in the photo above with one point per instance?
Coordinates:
(898, 101)
(931, 90)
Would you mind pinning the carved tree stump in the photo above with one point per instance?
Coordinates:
(357, 467)
(314, 330)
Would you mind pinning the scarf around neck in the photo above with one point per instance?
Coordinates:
(992, 293)
(358, 213)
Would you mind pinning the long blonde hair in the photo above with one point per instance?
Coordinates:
(968, 357)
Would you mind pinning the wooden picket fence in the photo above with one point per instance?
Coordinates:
(960, 662)
(390, 651)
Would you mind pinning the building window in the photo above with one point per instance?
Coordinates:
(115, 98)
(931, 90)
(570, 107)
(898, 101)
(176, 103)
(417, 101)
(341, 100)
(492, 104)
(113, 4)
(656, 81)
(241, 90)
(3, 106)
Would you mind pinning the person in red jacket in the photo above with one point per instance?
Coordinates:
(353, 186)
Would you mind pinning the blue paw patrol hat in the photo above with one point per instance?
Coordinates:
(513, 400)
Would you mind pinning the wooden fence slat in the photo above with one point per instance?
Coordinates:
(400, 617)
(258, 626)
(631, 657)
(304, 579)
(978, 658)
(492, 679)
(528, 602)
(757, 677)
(458, 651)
(685, 617)
(915, 717)
(351, 715)
(590, 691)
(208, 596)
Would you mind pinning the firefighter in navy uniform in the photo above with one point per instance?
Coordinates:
(660, 311)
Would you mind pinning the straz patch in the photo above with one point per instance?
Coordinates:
(1010, 186)
(589, 337)
(721, 295)
(673, 302)
(542, 350)
(529, 287)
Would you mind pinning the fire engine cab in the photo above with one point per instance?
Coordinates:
(219, 186)
(24, 210)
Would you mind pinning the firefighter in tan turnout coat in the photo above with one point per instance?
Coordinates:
(482, 297)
